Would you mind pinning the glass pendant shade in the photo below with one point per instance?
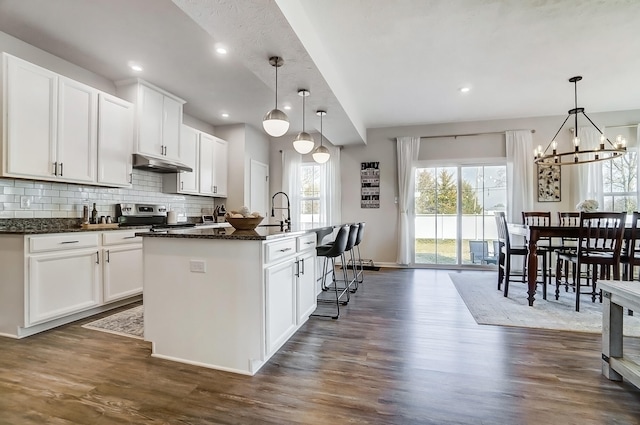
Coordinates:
(321, 155)
(275, 123)
(303, 143)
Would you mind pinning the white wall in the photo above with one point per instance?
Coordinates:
(245, 144)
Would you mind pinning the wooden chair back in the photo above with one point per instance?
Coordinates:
(601, 236)
(536, 218)
(569, 218)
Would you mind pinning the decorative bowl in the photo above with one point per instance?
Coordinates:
(245, 223)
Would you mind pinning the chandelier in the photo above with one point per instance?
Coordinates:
(551, 155)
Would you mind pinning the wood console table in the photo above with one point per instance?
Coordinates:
(616, 364)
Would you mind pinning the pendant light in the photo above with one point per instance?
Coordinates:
(321, 154)
(303, 143)
(574, 154)
(276, 122)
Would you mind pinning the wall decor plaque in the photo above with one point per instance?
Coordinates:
(370, 185)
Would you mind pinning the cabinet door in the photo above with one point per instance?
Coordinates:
(77, 131)
(207, 146)
(280, 300)
(171, 124)
(122, 267)
(115, 140)
(31, 95)
(151, 104)
(189, 139)
(220, 159)
(62, 284)
(306, 286)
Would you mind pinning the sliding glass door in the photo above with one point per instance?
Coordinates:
(454, 213)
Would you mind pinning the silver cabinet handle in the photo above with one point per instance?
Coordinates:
(108, 256)
(61, 165)
(97, 257)
(308, 243)
(302, 265)
(130, 177)
(297, 268)
(181, 185)
(285, 250)
(129, 237)
(65, 242)
(55, 168)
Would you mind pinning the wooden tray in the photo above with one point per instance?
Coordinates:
(100, 226)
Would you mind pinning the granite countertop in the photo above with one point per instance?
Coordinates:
(42, 226)
(261, 233)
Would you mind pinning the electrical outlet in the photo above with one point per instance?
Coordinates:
(197, 266)
(25, 202)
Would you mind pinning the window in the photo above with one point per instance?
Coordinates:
(620, 181)
(310, 197)
(454, 212)
(620, 175)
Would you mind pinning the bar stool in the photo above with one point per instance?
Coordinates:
(331, 251)
(351, 242)
(360, 274)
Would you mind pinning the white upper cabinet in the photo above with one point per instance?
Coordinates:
(220, 165)
(115, 140)
(77, 131)
(52, 125)
(31, 94)
(213, 166)
(189, 143)
(158, 119)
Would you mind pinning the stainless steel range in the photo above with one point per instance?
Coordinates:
(154, 215)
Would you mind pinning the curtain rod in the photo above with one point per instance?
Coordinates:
(465, 135)
(621, 126)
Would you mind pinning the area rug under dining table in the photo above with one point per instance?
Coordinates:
(488, 306)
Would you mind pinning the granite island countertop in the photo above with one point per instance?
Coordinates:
(261, 233)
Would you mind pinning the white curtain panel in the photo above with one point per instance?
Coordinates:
(291, 161)
(590, 184)
(331, 204)
(521, 185)
(407, 149)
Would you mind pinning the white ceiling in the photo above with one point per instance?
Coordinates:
(370, 63)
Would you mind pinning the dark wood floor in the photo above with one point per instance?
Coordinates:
(405, 351)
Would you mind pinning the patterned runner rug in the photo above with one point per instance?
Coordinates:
(488, 306)
(128, 323)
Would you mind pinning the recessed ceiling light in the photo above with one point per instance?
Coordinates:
(287, 107)
(136, 68)
(465, 89)
(225, 115)
(221, 50)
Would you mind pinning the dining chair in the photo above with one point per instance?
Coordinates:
(599, 248)
(630, 256)
(543, 246)
(568, 218)
(507, 251)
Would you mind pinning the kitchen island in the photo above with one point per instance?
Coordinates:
(226, 299)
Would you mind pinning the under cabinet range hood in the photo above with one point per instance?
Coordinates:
(159, 165)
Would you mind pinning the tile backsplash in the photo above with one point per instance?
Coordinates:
(38, 199)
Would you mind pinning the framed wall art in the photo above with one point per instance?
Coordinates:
(370, 185)
(548, 183)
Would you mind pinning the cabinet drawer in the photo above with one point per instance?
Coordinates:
(280, 249)
(306, 242)
(59, 242)
(120, 237)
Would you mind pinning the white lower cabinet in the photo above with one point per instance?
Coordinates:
(48, 280)
(122, 274)
(280, 305)
(62, 283)
(289, 288)
(306, 301)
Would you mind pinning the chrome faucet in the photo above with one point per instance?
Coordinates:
(273, 208)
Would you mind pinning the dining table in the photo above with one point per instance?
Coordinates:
(532, 235)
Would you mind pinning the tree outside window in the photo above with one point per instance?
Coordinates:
(620, 181)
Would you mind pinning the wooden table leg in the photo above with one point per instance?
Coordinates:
(611, 335)
(532, 264)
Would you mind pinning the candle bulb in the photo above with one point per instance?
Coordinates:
(554, 146)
